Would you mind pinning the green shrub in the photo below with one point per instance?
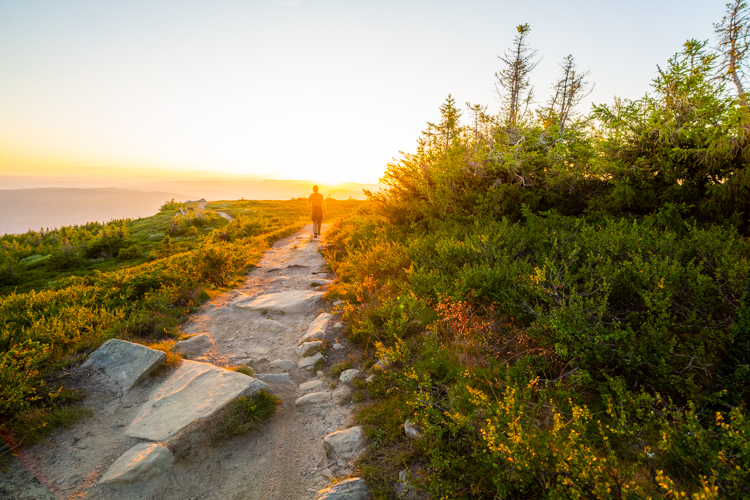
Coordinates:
(130, 252)
(33, 261)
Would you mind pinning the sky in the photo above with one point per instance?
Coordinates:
(330, 90)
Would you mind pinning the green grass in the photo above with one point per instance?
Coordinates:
(244, 369)
(243, 415)
(25, 256)
(39, 423)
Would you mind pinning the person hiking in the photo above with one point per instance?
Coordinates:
(318, 205)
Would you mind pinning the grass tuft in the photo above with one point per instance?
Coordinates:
(243, 415)
(242, 369)
(165, 346)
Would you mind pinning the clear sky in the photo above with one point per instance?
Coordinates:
(301, 89)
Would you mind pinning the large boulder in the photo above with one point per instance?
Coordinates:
(194, 346)
(125, 363)
(317, 329)
(292, 301)
(142, 462)
(345, 444)
(193, 392)
(350, 489)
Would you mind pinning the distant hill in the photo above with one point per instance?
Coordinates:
(268, 189)
(42, 202)
(208, 187)
(24, 209)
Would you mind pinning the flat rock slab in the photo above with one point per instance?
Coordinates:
(311, 260)
(275, 378)
(350, 489)
(292, 301)
(125, 363)
(317, 329)
(312, 398)
(194, 391)
(195, 346)
(142, 462)
(347, 443)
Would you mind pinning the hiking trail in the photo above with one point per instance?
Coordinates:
(260, 323)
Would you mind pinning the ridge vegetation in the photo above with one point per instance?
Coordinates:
(560, 302)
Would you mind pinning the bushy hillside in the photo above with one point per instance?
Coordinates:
(67, 291)
(561, 304)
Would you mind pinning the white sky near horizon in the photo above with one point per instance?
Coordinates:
(328, 90)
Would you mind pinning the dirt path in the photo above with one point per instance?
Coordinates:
(283, 459)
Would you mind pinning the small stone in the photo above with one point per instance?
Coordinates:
(292, 301)
(413, 431)
(142, 462)
(351, 489)
(317, 329)
(283, 364)
(337, 303)
(337, 346)
(338, 325)
(315, 385)
(275, 378)
(320, 373)
(244, 361)
(312, 398)
(309, 361)
(194, 346)
(348, 375)
(344, 444)
(308, 348)
(401, 488)
(370, 379)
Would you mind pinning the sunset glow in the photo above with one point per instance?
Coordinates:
(302, 90)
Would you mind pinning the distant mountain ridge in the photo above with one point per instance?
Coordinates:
(23, 209)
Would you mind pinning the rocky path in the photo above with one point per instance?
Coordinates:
(260, 324)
